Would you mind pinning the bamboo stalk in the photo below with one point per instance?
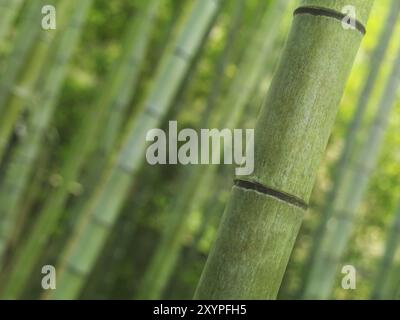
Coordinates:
(264, 214)
(115, 96)
(351, 193)
(105, 206)
(382, 283)
(23, 158)
(26, 36)
(167, 253)
(24, 91)
(353, 132)
(8, 13)
(137, 41)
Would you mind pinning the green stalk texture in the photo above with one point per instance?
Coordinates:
(27, 33)
(167, 253)
(116, 94)
(24, 92)
(25, 153)
(352, 191)
(8, 12)
(105, 206)
(353, 131)
(382, 282)
(258, 229)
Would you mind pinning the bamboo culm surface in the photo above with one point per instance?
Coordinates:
(263, 216)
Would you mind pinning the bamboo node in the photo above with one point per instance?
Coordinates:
(255, 186)
(326, 12)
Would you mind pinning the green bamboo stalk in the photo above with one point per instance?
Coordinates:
(134, 55)
(351, 193)
(353, 132)
(103, 148)
(8, 12)
(131, 224)
(167, 253)
(23, 158)
(27, 33)
(108, 199)
(99, 159)
(115, 96)
(35, 190)
(24, 91)
(392, 243)
(223, 60)
(211, 212)
(193, 191)
(217, 82)
(258, 229)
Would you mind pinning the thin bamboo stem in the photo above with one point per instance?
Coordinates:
(104, 208)
(111, 101)
(353, 133)
(21, 164)
(26, 36)
(24, 91)
(351, 194)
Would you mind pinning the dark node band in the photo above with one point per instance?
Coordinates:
(249, 185)
(320, 11)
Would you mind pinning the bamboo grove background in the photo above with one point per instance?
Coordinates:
(76, 192)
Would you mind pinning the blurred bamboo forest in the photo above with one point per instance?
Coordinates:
(77, 193)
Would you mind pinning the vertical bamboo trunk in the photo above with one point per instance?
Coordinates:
(27, 33)
(8, 12)
(167, 253)
(392, 244)
(24, 91)
(34, 193)
(106, 203)
(264, 214)
(24, 155)
(115, 102)
(115, 96)
(134, 55)
(353, 131)
(351, 193)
